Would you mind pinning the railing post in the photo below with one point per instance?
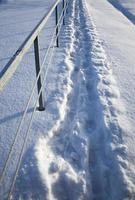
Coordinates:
(57, 28)
(66, 6)
(37, 63)
(63, 12)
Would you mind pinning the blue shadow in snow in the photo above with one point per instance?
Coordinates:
(123, 10)
(15, 115)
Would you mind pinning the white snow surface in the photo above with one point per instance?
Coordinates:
(117, 34)
(82, 146)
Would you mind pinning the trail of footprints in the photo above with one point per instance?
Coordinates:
(80, 139)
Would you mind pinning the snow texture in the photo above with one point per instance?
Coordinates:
(126, 7)
(81, 146)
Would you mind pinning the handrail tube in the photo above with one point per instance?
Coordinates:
(11, 66)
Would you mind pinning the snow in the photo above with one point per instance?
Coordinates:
(126, 7)
(18, 18)
(117, 35)
(82, 145)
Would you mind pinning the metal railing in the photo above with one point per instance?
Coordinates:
(11, 67)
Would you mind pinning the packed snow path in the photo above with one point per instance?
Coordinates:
(83, 155)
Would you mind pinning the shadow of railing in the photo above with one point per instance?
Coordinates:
(123, 10)
(15, 115)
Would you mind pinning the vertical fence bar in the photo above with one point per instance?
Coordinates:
(67, 6)
(37, 63)
(57, 28)
(63, 12)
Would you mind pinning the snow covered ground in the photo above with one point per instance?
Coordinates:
(126, 7)
(17, 19)
(117, 34)
(82, 146)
